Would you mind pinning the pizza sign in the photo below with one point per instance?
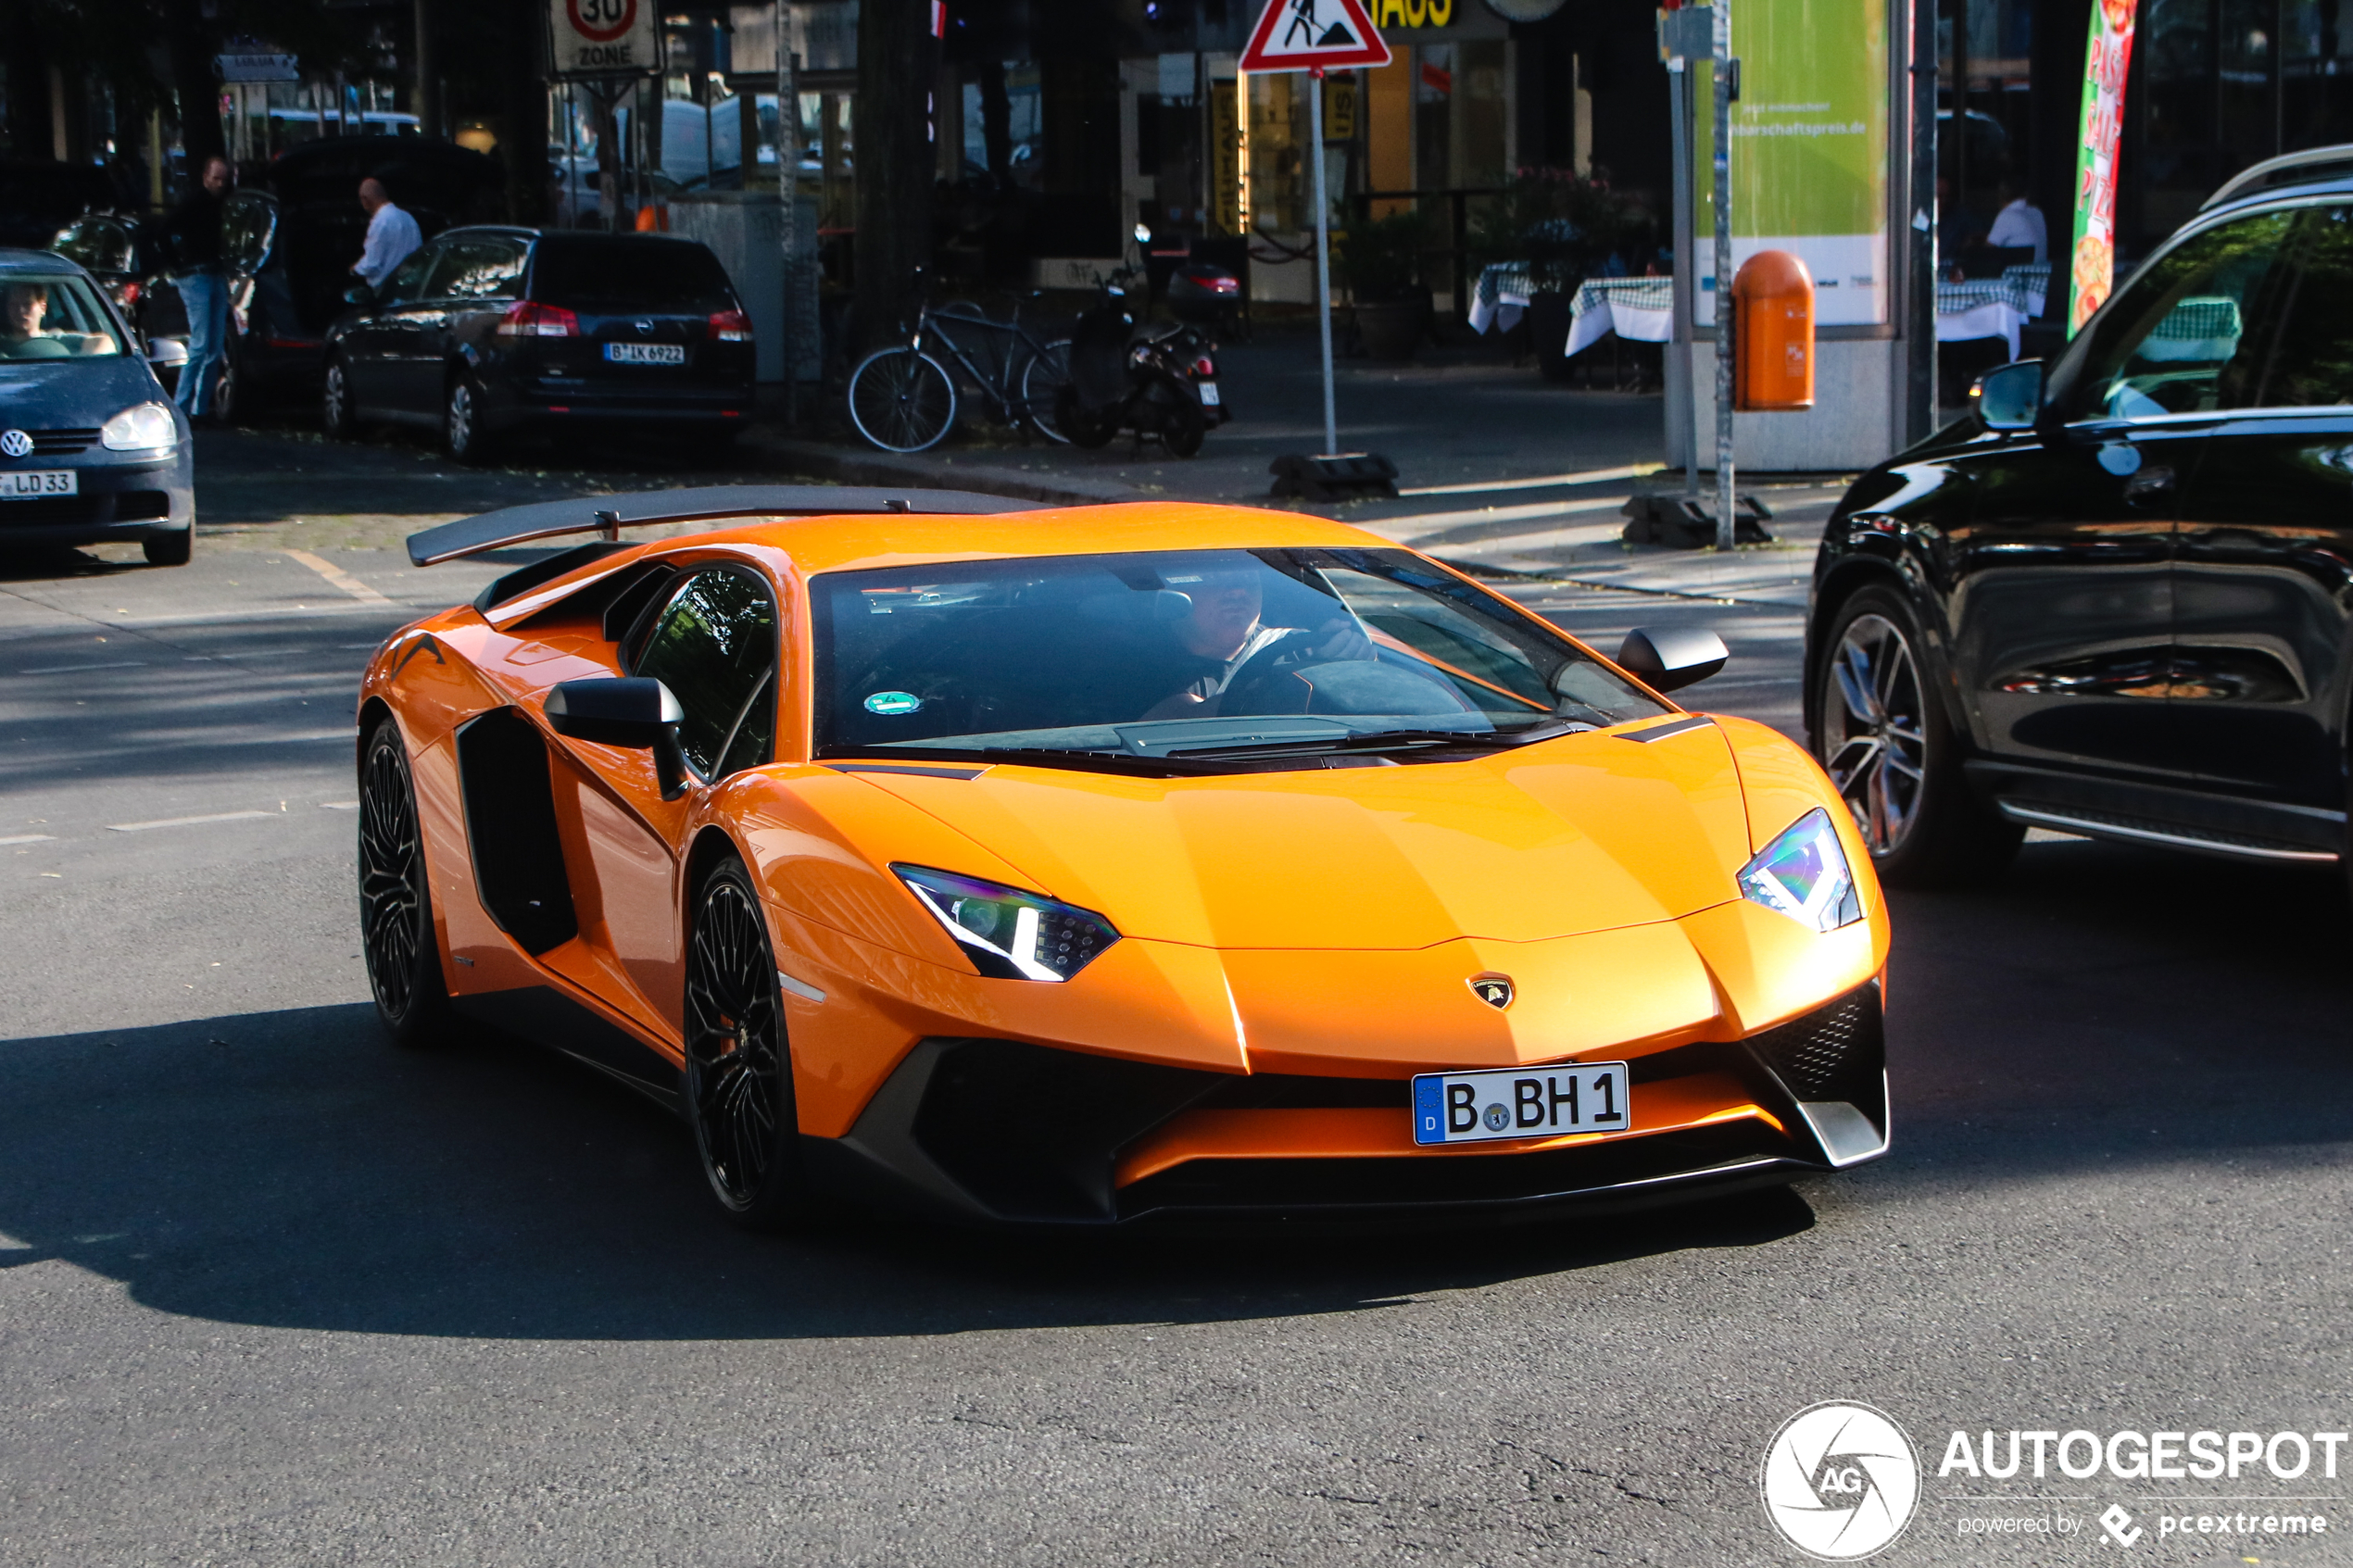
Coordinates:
(603, 37)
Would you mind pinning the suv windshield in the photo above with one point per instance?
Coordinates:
(622, 273)
(53, 318)
(1187, 655)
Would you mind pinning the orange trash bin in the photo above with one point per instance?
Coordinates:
(1773, 327)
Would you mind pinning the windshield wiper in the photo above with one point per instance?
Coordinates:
(1395, 740)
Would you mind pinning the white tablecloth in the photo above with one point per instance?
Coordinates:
(1639, 309)
(1991, 307)
(1501, 297)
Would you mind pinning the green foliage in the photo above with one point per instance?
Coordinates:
(1562, 224)
(1376, 258)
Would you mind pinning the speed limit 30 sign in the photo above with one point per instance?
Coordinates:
(603, 37)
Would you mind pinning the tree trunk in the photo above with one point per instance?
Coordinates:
(424, 99)
(523, 148)
(193, 46)
(897, 62)
(996, 124)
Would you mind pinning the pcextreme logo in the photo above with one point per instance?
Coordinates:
(1841, 1481)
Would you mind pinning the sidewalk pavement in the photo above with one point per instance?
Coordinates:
(1500, 470)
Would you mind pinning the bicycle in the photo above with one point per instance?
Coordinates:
(903, 399)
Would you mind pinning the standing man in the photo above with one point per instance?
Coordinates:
(392, 234)
(192, 234)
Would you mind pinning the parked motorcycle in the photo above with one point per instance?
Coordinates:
(1162, 384)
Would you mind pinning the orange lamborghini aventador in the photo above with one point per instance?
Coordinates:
(1082, 867)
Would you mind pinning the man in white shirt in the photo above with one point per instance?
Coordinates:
(2020, 224)
(392, 234)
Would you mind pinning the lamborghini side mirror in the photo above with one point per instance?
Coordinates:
(1664, 658)
(633, 712)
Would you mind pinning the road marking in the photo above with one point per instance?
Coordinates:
(306, 736)
(338, 805)
(337, 577)
(186, 821)
(1520, 544)
(1591, 476)
(71, 669)
(27, 838)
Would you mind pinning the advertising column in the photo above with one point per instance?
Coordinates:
(1812, 126)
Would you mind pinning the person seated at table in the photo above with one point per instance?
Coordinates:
(22, 335)
(2020, 224)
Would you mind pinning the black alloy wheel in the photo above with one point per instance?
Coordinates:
(739, 1093)
(335, 413)
(1891, 753)
(395, 906)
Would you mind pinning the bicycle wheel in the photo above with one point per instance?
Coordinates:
(900, 400)
(1042, 378)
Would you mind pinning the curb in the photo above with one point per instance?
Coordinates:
(850, 466)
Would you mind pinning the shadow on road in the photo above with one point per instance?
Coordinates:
(291, 1169)
(2102, 1011)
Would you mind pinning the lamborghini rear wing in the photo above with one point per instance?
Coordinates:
(610, 514)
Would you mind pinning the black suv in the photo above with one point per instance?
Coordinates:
(2115, 597)
(486, 331)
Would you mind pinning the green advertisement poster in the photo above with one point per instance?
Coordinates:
(1809, 151)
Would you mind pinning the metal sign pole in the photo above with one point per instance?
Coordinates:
(1323, 256)
(1725, 524)
(789, 217)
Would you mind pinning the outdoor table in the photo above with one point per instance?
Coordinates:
(1501, 295)
(1639, 308)
(2201, 329)
(1991, 307)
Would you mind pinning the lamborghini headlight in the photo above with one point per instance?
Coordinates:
(1804, 874)
(1010, 935)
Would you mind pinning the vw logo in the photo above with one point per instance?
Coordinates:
(15, 444)
(1495, 990)
(1841, 1481)
(644, 325)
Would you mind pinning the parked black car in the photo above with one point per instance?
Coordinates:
(488, 331)
(123, 253)
(291, 239)
(2115, 597)
(90, 449)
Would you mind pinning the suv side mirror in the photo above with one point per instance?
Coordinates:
(635, 711)
(1666, 659)
(359, 294)
(2008, 398)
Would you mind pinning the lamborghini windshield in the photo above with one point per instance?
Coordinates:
(1192, 654)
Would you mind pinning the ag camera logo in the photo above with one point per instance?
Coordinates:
(1841, 1481)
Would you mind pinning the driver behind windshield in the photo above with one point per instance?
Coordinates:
(1223, 629)
(23, 309)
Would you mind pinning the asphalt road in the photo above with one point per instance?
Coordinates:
(273, 1293)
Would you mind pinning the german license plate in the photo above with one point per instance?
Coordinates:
(47, 481)
(1208, 394)
(646, 352)
(1520, 1102)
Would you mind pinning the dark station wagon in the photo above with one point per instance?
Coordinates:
(488, 331)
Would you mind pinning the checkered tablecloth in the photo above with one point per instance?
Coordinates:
(1501, 295)
(2202, 329)
(1639, 308)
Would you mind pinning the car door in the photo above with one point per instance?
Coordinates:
(370, 347)
(416, 335)
(2263, 576)
(485, 277)
(711, 639)
(2061, 601)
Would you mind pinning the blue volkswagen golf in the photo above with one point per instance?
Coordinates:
(89, 447)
